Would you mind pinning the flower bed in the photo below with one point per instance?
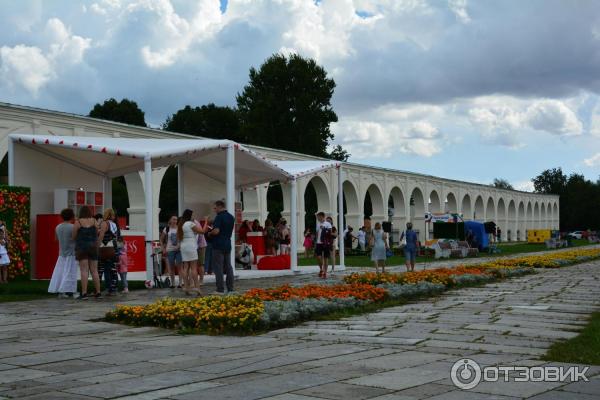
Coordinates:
(263, 309)
(360, 291)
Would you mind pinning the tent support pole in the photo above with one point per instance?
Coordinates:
(107, 189)
(341, 218)
(11, 161)
(231, 192)
(294, 227)
(180, 188)
(149, 225)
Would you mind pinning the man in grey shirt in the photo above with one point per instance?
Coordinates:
(64, 276)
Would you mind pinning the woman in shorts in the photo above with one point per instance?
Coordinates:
(85, 235)
(170, 247)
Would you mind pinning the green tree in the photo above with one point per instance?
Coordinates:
(125, 111)
(339, 154)
(287, 105)
(208, 121)
(550, 181)
(502, 184)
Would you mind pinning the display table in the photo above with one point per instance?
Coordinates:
(283, 261)
(257, 241)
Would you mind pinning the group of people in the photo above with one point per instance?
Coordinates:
(190, 245)
(277, 236)
(93, 243)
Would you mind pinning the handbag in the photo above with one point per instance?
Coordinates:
(107, 251)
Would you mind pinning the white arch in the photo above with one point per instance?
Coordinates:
(417, 211)
(512, 221)
(490, 210)
(465, 208)
(322, 191)
(528, 218)
(522, 221)
(479, 209)
(556, 216)
(435, 205)
(376, 203)
(353, 216)
(502, 220)
(451, 203)
(536, 216)
(543, 216)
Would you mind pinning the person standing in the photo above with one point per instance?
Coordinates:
(64, 276)
(208, 252)
(202, 245)
(410, 249)
(379, 247)
(85, 235)
(270, 233)
(170, 247)
(4, 258)
(186, 235)
(221, 247)
(284, 237)
(334, 241)
(362, 238)
(308, 242)
(323, 247)
(109, 232)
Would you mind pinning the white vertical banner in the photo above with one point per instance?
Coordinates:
(294, 225)
(149, 216)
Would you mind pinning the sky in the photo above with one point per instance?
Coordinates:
(469, 90)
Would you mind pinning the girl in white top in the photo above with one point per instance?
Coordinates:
(4, 259)
(186, 233)
(170, 249)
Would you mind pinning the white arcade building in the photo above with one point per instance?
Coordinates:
(385, 194)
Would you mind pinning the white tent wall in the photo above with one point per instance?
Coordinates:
(200, 192)
(51, 174)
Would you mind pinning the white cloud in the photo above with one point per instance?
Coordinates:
(25, 66)
(593, 161)
(459, 8)
(32, 68)
(525, 186)
(553, 116)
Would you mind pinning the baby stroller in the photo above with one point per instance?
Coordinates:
(157, 267)
(244, 257)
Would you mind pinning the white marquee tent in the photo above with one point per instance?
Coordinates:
(50, 161)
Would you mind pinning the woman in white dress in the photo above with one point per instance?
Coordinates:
(64, 276)
(187, 232)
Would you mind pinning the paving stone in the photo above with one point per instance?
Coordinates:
(399, 360)
(466, 395)
(117, 376)
(424, 391)
(400, 379)
(58, 396)
(343, 391)
(591, 387)
(560, 395)
(21, 374)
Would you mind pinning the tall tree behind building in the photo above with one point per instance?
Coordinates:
(125, 111)
(287, 105)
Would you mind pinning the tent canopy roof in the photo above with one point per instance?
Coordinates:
(118, 156)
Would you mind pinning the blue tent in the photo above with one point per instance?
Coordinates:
(479, 232)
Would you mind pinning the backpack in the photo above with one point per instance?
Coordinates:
(326, 237)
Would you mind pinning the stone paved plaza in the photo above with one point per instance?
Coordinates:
(55, 349)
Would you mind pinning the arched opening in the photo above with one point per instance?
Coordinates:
(316, 198)
(479, 213)
(522, 221)
(4, 170)
(543, 217)
(373, 204)
(467, 212)
(490, 211)
(167, 200)
(555, 216)
(435, 205)
(351, 210)
(529, 219)
(451, 203)
(397, 210)
(417, 212)
(501, 219)
(536, 217)
(274, 201)
(512, 221)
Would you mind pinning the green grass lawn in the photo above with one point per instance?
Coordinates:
(508, 248)
(582, 349)
(22, 289)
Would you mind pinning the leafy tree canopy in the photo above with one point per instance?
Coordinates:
(208, 121)
(125, 111)
(502, 184)
(287, 105)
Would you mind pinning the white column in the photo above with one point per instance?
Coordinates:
(294, 225)
(149, 219)
(341, 218)
(11, 161)
(180, 187)
(231, 191)
(107, 190)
